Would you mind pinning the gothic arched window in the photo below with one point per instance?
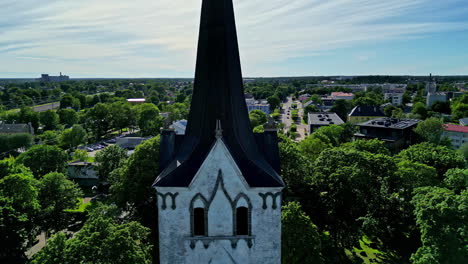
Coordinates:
(242, 221)
(199, 222)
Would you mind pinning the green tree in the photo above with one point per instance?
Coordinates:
(49, 137)
(431, 130)
(67, 117)
(439, 157)
(97, 120)
(149, 120)
(81, 155)
(56, 194)
(420, 109)
(274, 102)
(342, 178)
(441, 216)
(108, 160)
(131, 183)
(68, 101)
(341, 107)
(101, 240)
(27, 115)
(300, 238)
(73, 137)
(49, 119)
(374, 146)
(295, 168)
(312, 147)
(18, 210)
(329, 134)
(10, 142)
(456, 180)
(42, 159)
(257, 118)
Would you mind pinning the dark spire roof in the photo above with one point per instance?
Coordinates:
(218, 95)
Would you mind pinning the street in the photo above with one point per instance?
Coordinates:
(287, 121)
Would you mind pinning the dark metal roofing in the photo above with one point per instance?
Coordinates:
(391, 123)
(218, 95)
(366, 110)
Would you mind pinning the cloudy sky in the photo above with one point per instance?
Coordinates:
(157, 38)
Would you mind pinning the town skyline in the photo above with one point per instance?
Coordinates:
(144, 39)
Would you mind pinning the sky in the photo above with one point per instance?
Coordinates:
(158, 38)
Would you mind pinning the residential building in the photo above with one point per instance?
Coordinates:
(364, 113)
(179, 127)
(49, 78)
(136, 100)
(320, 119)
(464, 121)
(340, 95)
(219, 190)
(261, 105)
(435, 97)
(303, 97)
(394, 98)
(396, 133)
(16, 128)
(458, 135)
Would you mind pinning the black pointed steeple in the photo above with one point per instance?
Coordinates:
(218, 95)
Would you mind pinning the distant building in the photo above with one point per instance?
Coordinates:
(179, 127)
(431, 85)
(317, 120)
(364, 113)
(458, 135)
(394, 98)
(435, 97)
(136, 100)
(130, 143)
(48, 78)
(304, 97)
(16, 128)
(396, 133)
(261, 105)
(464, 121)
(83, 173)
(340, 95)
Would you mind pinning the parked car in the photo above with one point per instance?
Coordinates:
(88, 149)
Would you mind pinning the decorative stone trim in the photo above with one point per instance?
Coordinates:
(233, 202)
(164, 198)
(233, 239)
(273, 197)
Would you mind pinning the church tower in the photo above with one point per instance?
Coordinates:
(219, 190)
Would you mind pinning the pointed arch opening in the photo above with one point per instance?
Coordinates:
(242, 221)
(199, 222)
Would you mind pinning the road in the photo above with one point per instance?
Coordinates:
(286, 118)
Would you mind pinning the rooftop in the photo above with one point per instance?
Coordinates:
(324, 118)
(334, 94)
(393, 123)
(456, 128)
(366, 110)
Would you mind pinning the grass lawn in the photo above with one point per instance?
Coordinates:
(82, 206)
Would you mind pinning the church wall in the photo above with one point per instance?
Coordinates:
(219, 182)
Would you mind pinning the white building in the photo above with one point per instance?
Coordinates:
(179, 127)
(261, 105)
(458, 135)
(394, 98)
(219, 189)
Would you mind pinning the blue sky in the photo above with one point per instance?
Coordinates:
(149, 38)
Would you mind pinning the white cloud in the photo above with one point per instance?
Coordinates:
(148, 38)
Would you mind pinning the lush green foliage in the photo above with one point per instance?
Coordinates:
(442, 216)
(101, 240)
(109, 159)
(56, 194)
(42, 159)
(15, 141)
(300, 238)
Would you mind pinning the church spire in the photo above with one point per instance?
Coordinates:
(218, 94)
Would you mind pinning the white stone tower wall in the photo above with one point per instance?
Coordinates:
(219, 182)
